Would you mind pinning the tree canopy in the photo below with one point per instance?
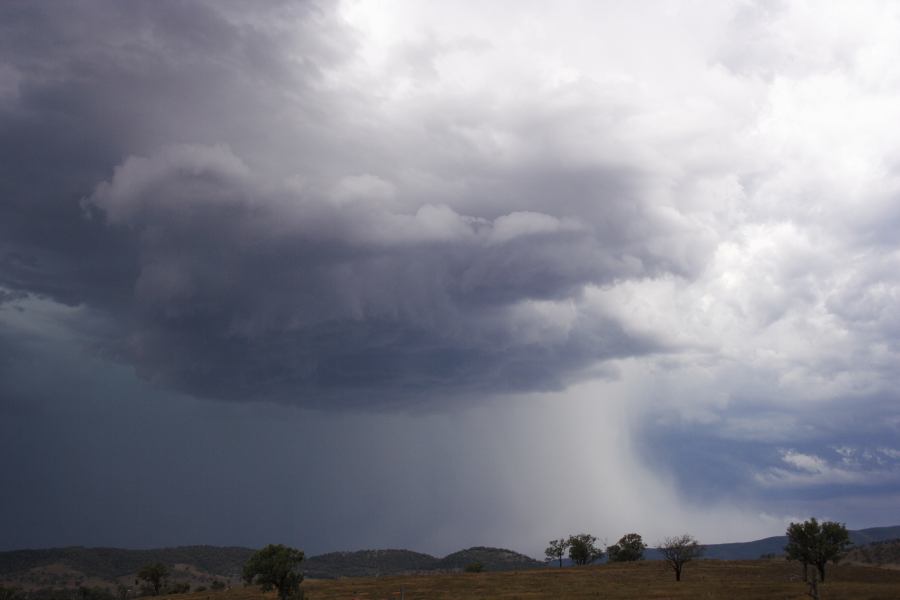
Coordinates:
(275, 566)
(583, 549)
(154, 574)
(814, 543)
(630, 547)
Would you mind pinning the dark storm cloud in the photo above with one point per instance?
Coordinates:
(190, 171)
(84, 85)
(247, 292)
(413, 204)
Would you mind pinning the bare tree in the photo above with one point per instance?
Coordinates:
(680, 550)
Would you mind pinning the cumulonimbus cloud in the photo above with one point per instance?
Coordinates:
(258, 223)
(246, 289)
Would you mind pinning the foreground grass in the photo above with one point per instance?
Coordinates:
(711, 579)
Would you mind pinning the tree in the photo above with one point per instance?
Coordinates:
(556, 550)
(801, 537)
(583, 549)
(475, 567)
(275, 566)
(154, 574)
(814, 543)
(680, 550)
(630, 547)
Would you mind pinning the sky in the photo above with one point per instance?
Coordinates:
(432, 275)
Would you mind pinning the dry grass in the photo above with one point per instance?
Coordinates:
(731, 580)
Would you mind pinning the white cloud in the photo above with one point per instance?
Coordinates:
(805, 462)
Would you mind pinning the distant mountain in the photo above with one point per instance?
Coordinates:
(775, 545)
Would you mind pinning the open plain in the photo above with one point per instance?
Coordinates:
(707, 579)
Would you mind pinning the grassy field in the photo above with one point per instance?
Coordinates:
(731, 580)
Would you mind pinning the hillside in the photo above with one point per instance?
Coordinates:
(76, 565)
(883, 553)
(492, 559)
(373, 563)
(367, 563)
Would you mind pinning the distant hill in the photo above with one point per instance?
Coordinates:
(200, 565)
(367, 563)
(880, 554)
(775, 545)
(110, 563)
(493, 559)
(68, 567)
(76, 565)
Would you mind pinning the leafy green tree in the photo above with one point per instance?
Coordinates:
(679, 550)
(275, 566)
(556, 550)
(154, 574)
(583, 549)
(630, 547)
(801, 538)
(814, 543)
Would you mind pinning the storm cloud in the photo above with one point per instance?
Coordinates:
(445, 251)
(677, 222)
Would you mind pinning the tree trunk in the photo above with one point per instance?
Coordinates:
(813, 587)
(821, 567)
(805, 572)
(677, 572)
(560, 561)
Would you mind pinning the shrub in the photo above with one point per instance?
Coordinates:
(474, 567)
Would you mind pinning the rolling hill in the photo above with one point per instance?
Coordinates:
(68, 567)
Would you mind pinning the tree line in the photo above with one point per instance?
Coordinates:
(582, 549)
(811, 543)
